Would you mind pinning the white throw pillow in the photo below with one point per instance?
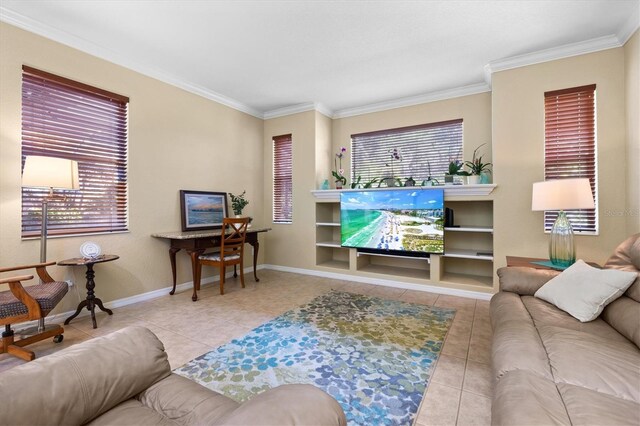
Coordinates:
(583, 291)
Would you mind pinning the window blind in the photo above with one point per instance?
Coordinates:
(66, 119)
(282, 179)
(570, 147)
(426, 151)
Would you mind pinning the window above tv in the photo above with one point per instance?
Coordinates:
(421, 152)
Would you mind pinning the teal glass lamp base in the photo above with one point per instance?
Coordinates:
(562, 250)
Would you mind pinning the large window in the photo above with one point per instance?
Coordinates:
(282, 179)
(419, 152)
(570, 147)
(66, 119)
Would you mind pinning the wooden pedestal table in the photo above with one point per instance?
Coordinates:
(91, 301)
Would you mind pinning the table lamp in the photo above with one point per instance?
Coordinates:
(49, 172)
(562, 194)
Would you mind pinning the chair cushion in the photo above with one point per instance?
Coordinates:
(216, 257)
(47, 295)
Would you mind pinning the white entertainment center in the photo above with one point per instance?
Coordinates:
(467, 262)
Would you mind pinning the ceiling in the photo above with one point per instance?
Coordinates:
(341, 57)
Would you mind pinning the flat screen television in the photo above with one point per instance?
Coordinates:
(398, 222)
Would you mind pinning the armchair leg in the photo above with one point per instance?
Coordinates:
(15, 348)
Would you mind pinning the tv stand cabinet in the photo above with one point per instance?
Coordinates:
(467, 263)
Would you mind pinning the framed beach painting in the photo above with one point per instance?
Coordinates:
(202, 209)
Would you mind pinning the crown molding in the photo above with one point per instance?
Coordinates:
(414, 100)
(554, 53)
(630, 26)
(41, 29)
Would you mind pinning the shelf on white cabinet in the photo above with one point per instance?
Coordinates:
(334, 244)
(479, 281)
(487, 229)
(467, 254)
(328, 195)
(336, 264)
(395, 271)
(327, 223)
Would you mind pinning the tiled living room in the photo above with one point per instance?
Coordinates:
(319, 212)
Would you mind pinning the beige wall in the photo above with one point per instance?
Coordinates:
(475, 110)
(177, 140)
(518, 151)
(292, 244)
(632, 92)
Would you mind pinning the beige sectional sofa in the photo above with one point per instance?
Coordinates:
(550, 368)
(124, 379)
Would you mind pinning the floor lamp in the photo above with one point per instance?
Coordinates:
(562, 194)
(49, 172)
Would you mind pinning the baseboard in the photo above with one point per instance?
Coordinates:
(118, 303)
(380, 281)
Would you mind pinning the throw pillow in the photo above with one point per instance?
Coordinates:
(583, 291)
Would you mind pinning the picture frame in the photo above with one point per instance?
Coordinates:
(202, 210)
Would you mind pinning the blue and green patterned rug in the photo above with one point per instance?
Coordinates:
(374, 356)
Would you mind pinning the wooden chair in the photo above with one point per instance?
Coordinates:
(19, 304)
(231, 252)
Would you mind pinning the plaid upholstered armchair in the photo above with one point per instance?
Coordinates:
(20, 304)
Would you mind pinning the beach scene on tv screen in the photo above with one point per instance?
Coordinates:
(393, 220)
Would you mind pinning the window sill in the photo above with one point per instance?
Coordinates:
(51, 237)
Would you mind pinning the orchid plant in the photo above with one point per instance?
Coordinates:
(338, 173)
(394, 155)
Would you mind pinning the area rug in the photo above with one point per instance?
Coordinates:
(374, 356)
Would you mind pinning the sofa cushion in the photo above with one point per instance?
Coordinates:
(523, 398)
(626, 257)
(586, 407)
(583, 291)
(515, 333)
(288, 405)
(131, 412)
(624, 316)
(186, 402)
(544, 313)
(79, 383)
(592, 362)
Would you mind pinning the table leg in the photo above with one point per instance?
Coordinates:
(194, 270)
(256, 247)
(172, 257)
(80, 306)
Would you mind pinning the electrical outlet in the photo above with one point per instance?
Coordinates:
(69, 283)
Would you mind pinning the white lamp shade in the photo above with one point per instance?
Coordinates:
(562, 194)
(50, 172)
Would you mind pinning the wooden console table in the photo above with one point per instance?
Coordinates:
(196, 242)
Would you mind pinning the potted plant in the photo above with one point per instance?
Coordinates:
(238, 203)
(455, 169)
(338, 173)
(476, 167)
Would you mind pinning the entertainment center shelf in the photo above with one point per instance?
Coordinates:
(467, 261)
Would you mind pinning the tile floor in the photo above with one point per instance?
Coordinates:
(460, 389)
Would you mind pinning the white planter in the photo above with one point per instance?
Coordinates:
(472, 180)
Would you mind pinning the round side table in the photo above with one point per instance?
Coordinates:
(91, 301)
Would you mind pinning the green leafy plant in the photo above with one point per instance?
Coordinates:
(370, 183)
(238, 202)
(455, 167)
(476, 166)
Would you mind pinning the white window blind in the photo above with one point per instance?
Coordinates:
(570, 147)
(282, 179)
(66, 119)
(426, 151)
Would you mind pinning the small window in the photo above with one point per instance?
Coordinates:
(424, 151)
(66, 119)
(570, 147)
(282, 179)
